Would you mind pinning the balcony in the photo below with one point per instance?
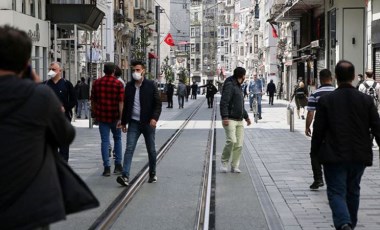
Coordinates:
(84, 13)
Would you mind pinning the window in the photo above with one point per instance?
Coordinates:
(32, 8)
(222, 57)
(241, 51)
(197, 32)
(39, 9)
(14, 5)
(256, 44)
(222, 43)
(137, 4)
(192, 32)
(192, 48)
(197, 47)
(23, 9)
(196, 16)
(197, 64)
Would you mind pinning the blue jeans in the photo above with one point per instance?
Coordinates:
(82, 104)
(181, 100)
(104, 130)
(343, 191)
(258, 102)
(135, 129)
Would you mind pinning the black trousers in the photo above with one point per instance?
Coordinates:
(210, 100)
(64, 150)
(170, 100)
(271, 97)
(316, 167)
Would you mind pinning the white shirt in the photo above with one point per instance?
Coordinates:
(136, 104)
(370, 82)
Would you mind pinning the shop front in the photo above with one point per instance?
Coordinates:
(38, 31)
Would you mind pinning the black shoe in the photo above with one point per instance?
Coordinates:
(152, 178)
(86, 117)
(107, 171)
(260, 118)
(316, 184)
(118, 169)
(122, 180)
(346, 227)
(303, 117)
(78, 117)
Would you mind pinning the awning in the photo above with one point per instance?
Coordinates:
(152, 55)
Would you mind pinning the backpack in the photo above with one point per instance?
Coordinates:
(300, 93)
(371, 90)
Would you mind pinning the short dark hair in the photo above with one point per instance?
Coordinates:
(138, 62)
(82, 79)
(239, 72)
(344, 71)
(109, 68)
(15, 49)
(118, 72)
(325, 75)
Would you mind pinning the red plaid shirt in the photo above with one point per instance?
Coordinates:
(106, 94)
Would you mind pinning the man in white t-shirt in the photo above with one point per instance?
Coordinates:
(369, 83)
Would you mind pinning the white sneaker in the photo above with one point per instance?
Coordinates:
(235, 170)
(223, 167)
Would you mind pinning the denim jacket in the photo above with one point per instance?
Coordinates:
(255, 86)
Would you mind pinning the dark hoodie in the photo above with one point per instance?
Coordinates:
(30, 117)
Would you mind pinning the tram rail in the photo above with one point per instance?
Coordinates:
(116, 207)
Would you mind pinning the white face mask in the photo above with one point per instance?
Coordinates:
(51, 74)
(136, 76)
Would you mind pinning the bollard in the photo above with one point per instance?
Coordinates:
(90, 124)
(290, 112)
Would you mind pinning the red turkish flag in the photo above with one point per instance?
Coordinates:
(274, 32)
(169, 40)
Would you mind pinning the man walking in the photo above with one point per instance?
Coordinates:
(341, 138)
(66, 93)
(255, 89)
(169, 94)
(142, 109)
(194, 90)
(210, 92)
(181, 93)
(107, 97)
(233, 112)
(271, 89)
(83, 96)
(326, 87)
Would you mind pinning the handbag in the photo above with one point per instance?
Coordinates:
(76, 194)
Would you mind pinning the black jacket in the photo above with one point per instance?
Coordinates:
(343, 121)
(150, 102)
(232, 101)
(271, 88)
(66, 93)
(30, 194)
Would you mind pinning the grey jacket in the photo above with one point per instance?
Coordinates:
(232, 101)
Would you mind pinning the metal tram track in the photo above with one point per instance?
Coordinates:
(113, 211)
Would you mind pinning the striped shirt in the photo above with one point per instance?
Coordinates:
(314, 97)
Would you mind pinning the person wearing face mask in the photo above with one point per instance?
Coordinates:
(142, 109)
(66, 93)
(233, 112)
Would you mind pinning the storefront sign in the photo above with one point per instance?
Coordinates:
(35, 35)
